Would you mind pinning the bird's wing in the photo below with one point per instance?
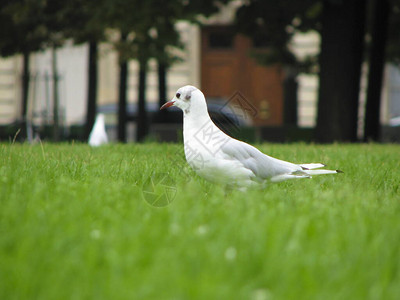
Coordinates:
(262, 165)
(311, 166)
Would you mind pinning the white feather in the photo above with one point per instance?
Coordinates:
(98, 135)
(312, 166)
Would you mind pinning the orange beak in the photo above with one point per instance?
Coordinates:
(168, 104)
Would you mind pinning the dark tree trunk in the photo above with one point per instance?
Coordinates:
(123, 79)
(141, 123)
(92, 88)
(56, 102)
(376, 68)
(162, 83)
(25, 93)
(122, 94)
(162, 91)
(341, 57)
(290, 101)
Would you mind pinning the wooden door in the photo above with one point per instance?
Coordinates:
(227, 68)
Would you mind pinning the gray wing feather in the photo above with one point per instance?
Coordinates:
(262, 165)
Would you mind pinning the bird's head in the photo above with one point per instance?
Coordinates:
(186, 98)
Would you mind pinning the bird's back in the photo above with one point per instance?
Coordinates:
(263, 166)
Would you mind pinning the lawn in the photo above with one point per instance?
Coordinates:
(74, 224)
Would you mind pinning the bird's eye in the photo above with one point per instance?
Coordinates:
(178, 95)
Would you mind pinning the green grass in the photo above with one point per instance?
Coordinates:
(74, 225)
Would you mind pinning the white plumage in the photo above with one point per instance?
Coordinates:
(219, 158)
(98, 135)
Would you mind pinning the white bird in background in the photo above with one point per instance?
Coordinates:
(98, 136)
(222, 159)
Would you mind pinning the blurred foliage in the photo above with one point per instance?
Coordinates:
(148, 27)
(274, 23)
(84, 20)
(31, 25)
(22, 27)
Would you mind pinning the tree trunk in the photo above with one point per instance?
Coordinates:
(162, 91)
(141, 121)
(290, 100)
(56, 102)
(25, 93)
(123, 80)
(340, 61)
(92, 88)
(376, 68)
(162, 83)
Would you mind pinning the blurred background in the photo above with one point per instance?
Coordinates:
(312, 70)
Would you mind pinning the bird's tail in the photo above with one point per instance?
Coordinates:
(306, 172)
(320, 172)
(309, 169)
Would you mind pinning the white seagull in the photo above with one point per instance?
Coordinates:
(98, 136)
(222, 159)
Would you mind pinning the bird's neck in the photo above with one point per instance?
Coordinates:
(199, 131)
(195, 120)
